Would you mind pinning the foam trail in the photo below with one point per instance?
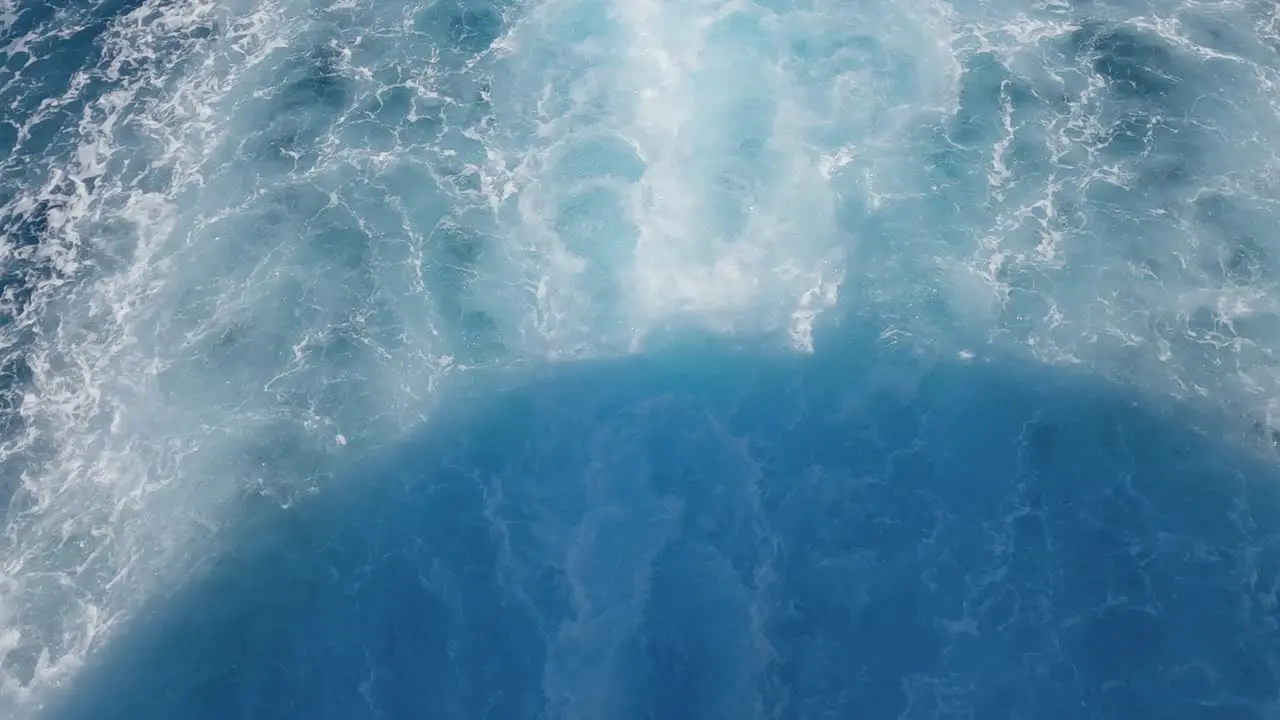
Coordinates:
(198, 324)
(103, 449)
(246, 244)
(1127, 174)
(675, 162)
(675, 167)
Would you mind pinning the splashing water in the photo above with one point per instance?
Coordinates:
(629, 359)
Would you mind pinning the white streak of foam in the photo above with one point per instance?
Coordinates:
(731, 224)
(83, 542)
(1134, 313)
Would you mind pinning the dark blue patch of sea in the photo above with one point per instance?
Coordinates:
(709, 532)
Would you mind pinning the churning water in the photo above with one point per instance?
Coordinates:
(629, 359)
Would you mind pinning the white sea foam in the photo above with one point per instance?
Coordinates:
(274, 230)
(112, 489)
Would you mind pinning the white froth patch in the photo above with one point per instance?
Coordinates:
(116, 471)
(1083, 253)
(8, 13)
(159, 346)
(751, 124)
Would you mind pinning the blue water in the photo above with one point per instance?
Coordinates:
(628, 359)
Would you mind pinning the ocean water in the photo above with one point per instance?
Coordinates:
(639, 359)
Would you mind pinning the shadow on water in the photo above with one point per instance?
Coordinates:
(716, 533)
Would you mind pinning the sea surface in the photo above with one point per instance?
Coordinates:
(640, 359)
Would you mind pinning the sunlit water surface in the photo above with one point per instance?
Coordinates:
(630, 359)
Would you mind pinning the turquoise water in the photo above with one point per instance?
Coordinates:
(621, 360)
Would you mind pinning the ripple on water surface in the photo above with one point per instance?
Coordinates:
(711, 359)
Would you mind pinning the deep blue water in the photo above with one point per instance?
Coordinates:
(625, 359)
